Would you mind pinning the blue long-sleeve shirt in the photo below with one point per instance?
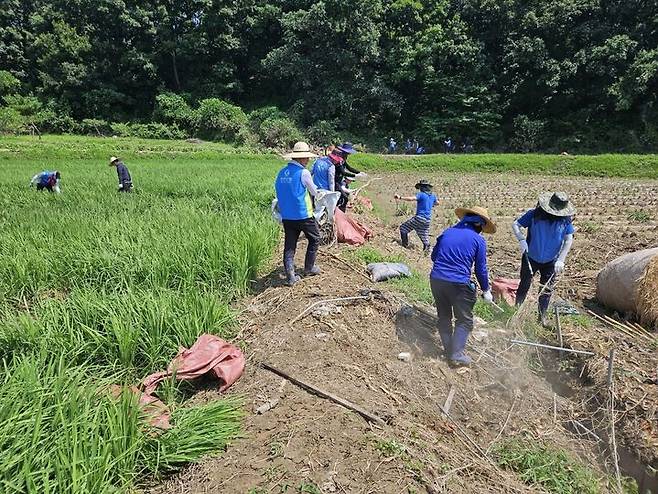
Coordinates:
(457, 249)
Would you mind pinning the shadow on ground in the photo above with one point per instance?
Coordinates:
(417, 329)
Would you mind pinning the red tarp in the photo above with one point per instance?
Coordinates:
(350, 231)
(209, 355)
(505, 289)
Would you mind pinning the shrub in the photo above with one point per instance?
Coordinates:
(8, 83)
(258, 116)
(95, 127)
(279, 133)
(323, 132)
(148, 130)
(172, 108)
(528, 134)
(218, 120)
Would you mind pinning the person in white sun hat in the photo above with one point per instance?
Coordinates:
(125, 182)
(294, 187)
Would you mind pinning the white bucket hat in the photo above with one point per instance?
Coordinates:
(300, 150)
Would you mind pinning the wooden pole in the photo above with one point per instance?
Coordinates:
(370, 417)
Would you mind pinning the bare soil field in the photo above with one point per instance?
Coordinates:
(349, 348)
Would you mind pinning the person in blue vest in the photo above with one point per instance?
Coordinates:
(458, 250)
(125, 182)
(48, 180)
(420, 223)
(546, 246)
(324, 171)
(294, 188)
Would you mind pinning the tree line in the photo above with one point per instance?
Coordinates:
(526, 75)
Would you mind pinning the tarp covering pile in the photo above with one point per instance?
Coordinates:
(382, 271)
(629, 284)
(350, 231)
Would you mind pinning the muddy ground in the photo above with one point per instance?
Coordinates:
(351, 348)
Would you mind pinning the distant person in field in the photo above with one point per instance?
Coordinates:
(324, 170)
(545, 248)
(392, 146)
(294, 187)
(125, 182)
(458, 250)
(344, 170)
(48, 180)
(420, 223)
(448, 145)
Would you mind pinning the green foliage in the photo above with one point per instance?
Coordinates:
(8, 83)
(173, 109)
(279, 133)
(323, 132)
(390, 448)
(219, 120)
(148, 131)
(95, 127)
(528, 134)
(640, 216)
(548, 468)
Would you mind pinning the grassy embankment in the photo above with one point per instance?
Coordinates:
(99, 288)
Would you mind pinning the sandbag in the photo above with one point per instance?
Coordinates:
(350, 231)
(629, 284)
(382, 271)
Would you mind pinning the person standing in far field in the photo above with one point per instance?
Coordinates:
(294, 187)
(425, 201)
(125, 182)
(545, 249)
(47, 180)
(458, 249)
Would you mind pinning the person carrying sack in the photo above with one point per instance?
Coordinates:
(545, 249)
(420, 223)
(458, 250)
(294, 187)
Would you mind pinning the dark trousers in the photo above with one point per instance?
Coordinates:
(454, 298)
(127, 187)
(546, 276)
(49, 188)
(292, 229)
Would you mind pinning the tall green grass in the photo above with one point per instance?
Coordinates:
(98, 287)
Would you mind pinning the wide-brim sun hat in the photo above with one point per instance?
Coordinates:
(423, 183)
(557, 204)
(347, 147)
(113, 159)
(300, 150)
(489, 226)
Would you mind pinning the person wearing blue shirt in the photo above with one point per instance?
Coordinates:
(546, 246)
(420, 223)
(294, 187)
(125, 182)
(324, 171)
(458, 250)
(47, 180)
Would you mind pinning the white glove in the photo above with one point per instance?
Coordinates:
(362, 175)
(559, 266)
(523, 246)
(120, 186)
(488, 297)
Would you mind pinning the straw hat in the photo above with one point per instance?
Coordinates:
(489, 226)
(557, 204)
(300, 150)
(113, 159)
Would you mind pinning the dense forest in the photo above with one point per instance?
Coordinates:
(574, 75)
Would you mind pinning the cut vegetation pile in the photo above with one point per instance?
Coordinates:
(98, 288)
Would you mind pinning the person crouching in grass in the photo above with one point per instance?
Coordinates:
(47, 180)
(425, 200)
(294, 187)
(458, 250)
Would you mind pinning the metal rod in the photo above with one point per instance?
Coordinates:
(550, 347)
(558, 325)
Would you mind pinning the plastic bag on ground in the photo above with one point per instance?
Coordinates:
(350, 231)
(382, 271)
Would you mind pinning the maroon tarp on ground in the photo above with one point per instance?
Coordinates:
(505, 289)
(209, 354)
(350, 231)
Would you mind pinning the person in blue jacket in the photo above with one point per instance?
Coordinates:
(125, 182)
(420, 223)
(324, 171)
(546, 246)
(294, 187)
(458, 249)
(48, 180)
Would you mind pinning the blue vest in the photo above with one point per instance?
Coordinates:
(321, 173)
(47, 178)
(294, 200)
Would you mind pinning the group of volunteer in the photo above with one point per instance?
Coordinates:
(50, 180)
(459, 250)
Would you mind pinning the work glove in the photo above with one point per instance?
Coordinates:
(559, 266)
(523, 246)
(120, 187)
(488, 297)
(361, 175)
